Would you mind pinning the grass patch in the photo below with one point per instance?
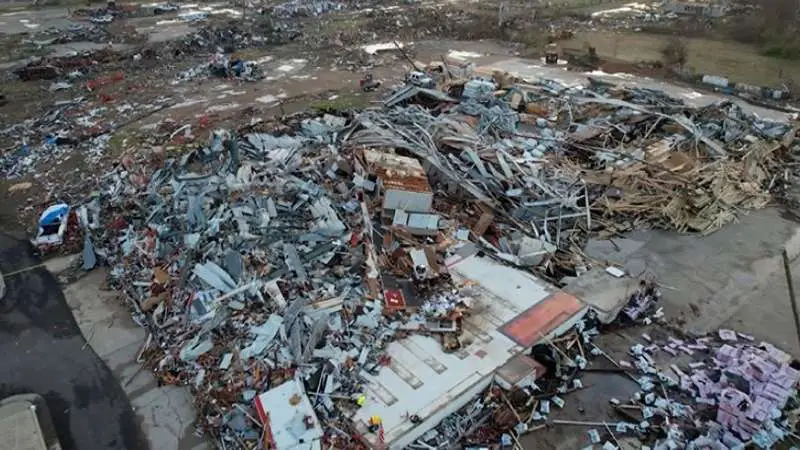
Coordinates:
(343, 103)
(117, 141)
(249, 54)
(347, 24)
(739, 62)
(783, 49)
(779, 51)
(6, 9)
(123, 140)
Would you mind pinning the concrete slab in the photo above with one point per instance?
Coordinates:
(105, 323)
(617, 249)
(531, 71)
(591, 403)
(61, 263)
(708, 279)
(604, 293)
(166, 424)
(166, 413)
(768, 313)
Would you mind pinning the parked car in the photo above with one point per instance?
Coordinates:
(106, 18)
(164, 8)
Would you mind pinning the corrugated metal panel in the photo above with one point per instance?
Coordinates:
(423, 221)
(407, 200)
(400, 218)
(280, 410)
(410, 91)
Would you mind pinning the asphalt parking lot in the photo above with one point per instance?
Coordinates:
(44, 352)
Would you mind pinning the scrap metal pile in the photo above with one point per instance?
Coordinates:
(259, 257)
(72, 33)
(231, 36)
(49, 68)
(252, 262)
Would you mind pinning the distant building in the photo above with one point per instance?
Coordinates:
(699, 8)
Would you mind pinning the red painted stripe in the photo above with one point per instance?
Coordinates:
(262, 414)
(264, 417)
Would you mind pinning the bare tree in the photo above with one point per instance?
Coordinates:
(675, 53)
(501, 9)
(780, 16)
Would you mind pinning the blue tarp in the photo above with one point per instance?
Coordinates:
(54, 214)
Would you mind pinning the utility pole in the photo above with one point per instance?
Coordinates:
(790, 283)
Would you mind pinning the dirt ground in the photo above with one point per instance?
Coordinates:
(738, 62)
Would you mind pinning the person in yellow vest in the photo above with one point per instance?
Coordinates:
(360, 400)
(375, 423)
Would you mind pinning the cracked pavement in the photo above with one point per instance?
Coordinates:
(165, 413)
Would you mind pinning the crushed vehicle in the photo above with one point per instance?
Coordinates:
(53, 225)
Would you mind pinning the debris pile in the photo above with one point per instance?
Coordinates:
(256, 256)
(754, 386)
(52, 67)
(663, 181)
(219, 65)
(640, 304)
(718, 391)
(305, 8)
(730, 391)
(517, 405)
(296, 256)
(69, 126)
(229, 37)
(73, 33)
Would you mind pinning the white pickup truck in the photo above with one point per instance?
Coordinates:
(25, 424)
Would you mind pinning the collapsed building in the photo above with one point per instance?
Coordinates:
(399, 262)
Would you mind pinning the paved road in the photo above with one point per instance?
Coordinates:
(34, 20)
(42, 351)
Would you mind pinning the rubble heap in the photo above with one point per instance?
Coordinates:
(246, 259)
(731, 391)
(261, 258)
(220, 65)
(69, 126)
(754, 385)
(720, 391)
